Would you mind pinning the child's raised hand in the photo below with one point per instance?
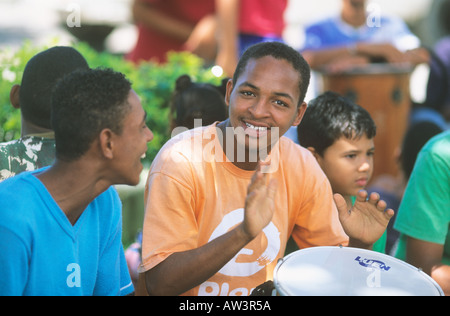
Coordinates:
(367, 220)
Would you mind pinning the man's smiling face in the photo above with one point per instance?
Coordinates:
(266, 97)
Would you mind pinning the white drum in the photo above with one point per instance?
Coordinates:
(344, 271)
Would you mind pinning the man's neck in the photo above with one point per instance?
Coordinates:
(72, 186)
(30, 129)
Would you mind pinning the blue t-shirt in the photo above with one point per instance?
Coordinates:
(41, 253)
(334, 32)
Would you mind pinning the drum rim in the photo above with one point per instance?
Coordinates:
(283, 260)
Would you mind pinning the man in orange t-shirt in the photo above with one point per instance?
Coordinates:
(214, 226)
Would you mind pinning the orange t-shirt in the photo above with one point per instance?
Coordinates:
(194, 194)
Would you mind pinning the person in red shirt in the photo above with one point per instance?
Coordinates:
(242, 23)
(173, 25)
(218, 31)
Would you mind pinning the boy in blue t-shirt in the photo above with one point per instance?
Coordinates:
(340, 134)
(61, 226)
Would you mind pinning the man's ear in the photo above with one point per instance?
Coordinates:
(228, 91)
(14, 96)
(313, 151)
(106, 143)
(300, 113)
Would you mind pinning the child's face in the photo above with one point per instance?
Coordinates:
(348, 164)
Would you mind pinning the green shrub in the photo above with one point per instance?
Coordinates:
(153, 82)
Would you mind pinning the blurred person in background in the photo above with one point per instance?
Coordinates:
(353, 37)
(36, 147)
(437, 101)
(218, 31)
(242, 23)
(173, 25)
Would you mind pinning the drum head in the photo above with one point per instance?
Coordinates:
(344, 271)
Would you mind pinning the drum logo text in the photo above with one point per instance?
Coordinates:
(370, 263)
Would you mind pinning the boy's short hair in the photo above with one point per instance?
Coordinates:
(84, 103)
(39, 78)
(281, 51)
(331, 116)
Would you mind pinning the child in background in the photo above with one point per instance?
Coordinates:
(192, 100)
(340, 135)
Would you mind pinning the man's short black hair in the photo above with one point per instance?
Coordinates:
(417, 135)
(39, 78)
(277, 50)
(331, 116)
(84, 103)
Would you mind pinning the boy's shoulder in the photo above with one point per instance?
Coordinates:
(16, 199)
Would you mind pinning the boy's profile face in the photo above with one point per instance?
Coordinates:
(132, 143)
(348, 164)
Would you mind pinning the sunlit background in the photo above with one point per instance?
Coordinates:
(43, 20)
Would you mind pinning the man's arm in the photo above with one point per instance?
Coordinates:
(228, 22)
(428, 257)
(359, 52)
(185, 270)
(146, 14)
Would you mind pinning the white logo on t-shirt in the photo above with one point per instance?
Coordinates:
(244, 269)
